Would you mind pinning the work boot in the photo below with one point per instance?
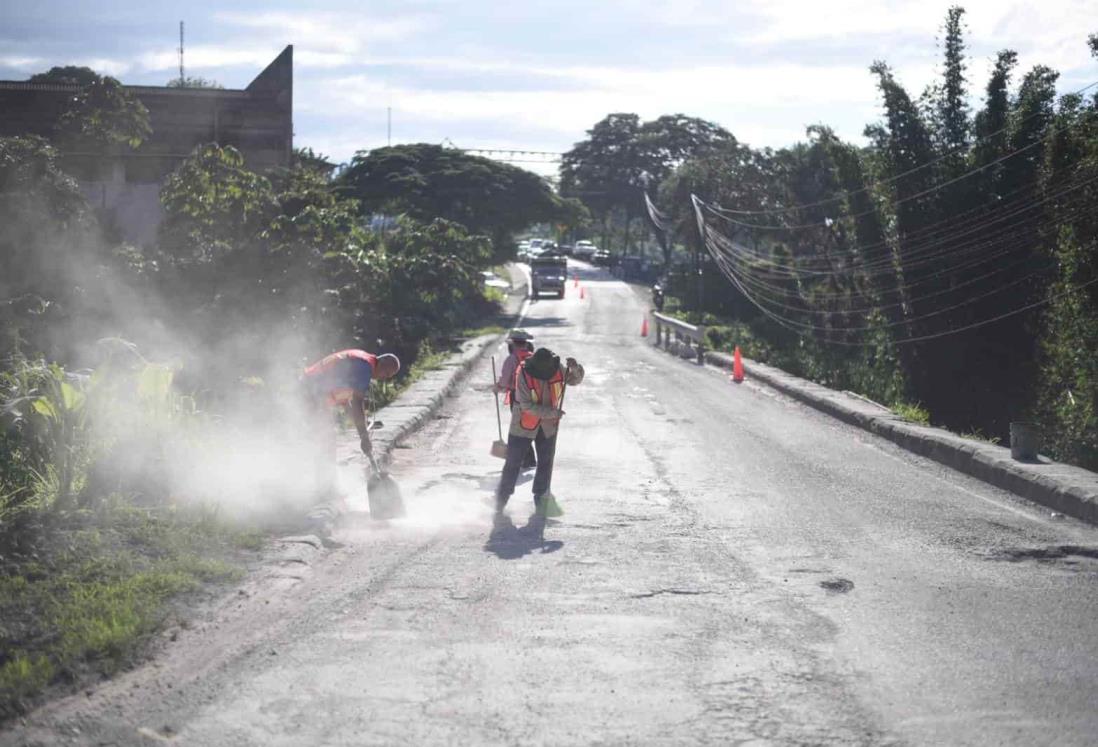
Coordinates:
(547, 506)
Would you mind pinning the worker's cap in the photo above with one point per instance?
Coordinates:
(520, 335)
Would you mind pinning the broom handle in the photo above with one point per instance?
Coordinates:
(499, 423)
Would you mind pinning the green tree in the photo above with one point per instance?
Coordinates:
(197, 82)
(67, 75)
(1068, 400)
(103, 114)
(621, 157)
(991, 121)
(427, 181)
(906, 153)
(953, 125)
(214, 206)
(45, 227)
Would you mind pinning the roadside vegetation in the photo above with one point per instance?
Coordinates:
(951, 262)
(130, 375)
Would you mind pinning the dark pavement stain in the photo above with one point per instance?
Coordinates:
(837, 585)
(678, 592)
(1044, 554)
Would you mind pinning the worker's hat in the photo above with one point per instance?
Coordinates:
(520, 335)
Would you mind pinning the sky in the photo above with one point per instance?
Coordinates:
(536, 75)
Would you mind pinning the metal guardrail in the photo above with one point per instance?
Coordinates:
(681, 339)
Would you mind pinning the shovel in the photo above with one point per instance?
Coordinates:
(383, 494)
(499, 446)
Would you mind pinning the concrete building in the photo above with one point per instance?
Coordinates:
(124, 186)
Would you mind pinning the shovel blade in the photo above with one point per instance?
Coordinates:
(384, 497)
(499, 449)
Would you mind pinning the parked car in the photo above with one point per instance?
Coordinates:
(584, 249)
(566, 249)
(601, 257)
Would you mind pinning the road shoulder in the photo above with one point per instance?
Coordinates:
(1061, 487)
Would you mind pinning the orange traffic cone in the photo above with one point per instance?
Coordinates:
(583, 293)
(644, 327)
(575, 280)
(737, 366)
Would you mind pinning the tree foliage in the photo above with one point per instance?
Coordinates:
(195, 82)
(915, 248)
(426, 182)
(67, 75)
(623, 157)
(104, 114)
(45, 223)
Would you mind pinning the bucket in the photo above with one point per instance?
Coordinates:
(1024, 441)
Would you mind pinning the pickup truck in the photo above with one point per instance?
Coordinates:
(547, 275)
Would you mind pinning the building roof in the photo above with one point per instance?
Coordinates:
(272, 80)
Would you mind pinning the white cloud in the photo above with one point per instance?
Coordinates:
(21, 63)
(204, 58)
(104, 65)
(339, 32)
(326, 38)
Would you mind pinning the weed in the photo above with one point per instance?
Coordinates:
(977, 435)
(914, 413)
(97, 587)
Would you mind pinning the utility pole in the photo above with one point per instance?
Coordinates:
(181, 78)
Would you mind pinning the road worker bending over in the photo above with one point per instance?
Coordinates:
(342, 380)
(540, 384)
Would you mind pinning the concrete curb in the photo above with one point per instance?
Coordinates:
(1062, 487)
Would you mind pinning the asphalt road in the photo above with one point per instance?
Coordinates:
(732, 568)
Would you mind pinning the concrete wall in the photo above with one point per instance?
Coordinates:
(133, 208)
(124, 185)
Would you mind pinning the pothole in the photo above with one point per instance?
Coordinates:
(837, 585)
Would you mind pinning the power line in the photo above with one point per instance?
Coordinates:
(516, 155)
(714, 240)
(916, 253)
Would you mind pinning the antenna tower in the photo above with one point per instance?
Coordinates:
(181, 79)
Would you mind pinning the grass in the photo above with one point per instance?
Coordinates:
(98, 585)
(978, 435)
(486, 329)
(914, 413)
(383, 393)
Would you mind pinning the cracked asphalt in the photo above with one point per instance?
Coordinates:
(732, 568)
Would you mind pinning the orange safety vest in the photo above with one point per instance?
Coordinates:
(509, 395)
(529, 421)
